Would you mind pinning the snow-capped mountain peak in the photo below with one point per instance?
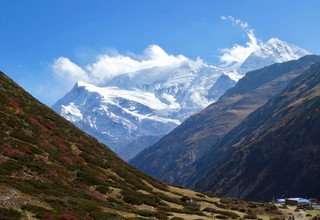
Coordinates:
(281, 51)
(272, 51)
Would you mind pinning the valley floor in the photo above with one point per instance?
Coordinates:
(179, 204)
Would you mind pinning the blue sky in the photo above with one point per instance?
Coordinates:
(36, 33)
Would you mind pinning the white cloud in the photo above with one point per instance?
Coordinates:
(199, 98)
(238, 53)
(243, 25)
(68, 71)
(108, 66)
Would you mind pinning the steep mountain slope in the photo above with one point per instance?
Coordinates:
(151, 102)
(52, 170)
(178, 157)
(275, 151)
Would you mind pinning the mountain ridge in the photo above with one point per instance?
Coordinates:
(177, 157)
(272, 51)
(275, 150)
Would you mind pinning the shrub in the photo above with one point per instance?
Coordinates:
(9, 214)
(4, 172)
(35, 150)
(39, 211)
(186, 199)
(37, 167)
(105, 216)
(192, 212)
(234, 208)
(11, 165)
(115, 201)
(222, 212)
(161, 215)
(226, 201)
(102, 189)
(271, 208)
(145, 213)
(221, 217)
(168, 198)
(250, 216)
(200, 195)
(221, 206)
(87, 176)
(156, 183)
(27, 188)
(131, 197)
(192, 206)
(67, 216)
(136, 198)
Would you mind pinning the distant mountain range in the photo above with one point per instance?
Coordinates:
(257, 141)
(138, 108)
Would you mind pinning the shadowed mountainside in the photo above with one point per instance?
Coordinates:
(275, 151)
(178, 157)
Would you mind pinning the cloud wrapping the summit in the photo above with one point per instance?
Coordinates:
(106, 67)
(64, 69)
(238, 53)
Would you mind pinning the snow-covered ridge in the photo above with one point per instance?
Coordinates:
(114, 115)
(114, 95)
(151, 102)
(272, 51)
(280, 51)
